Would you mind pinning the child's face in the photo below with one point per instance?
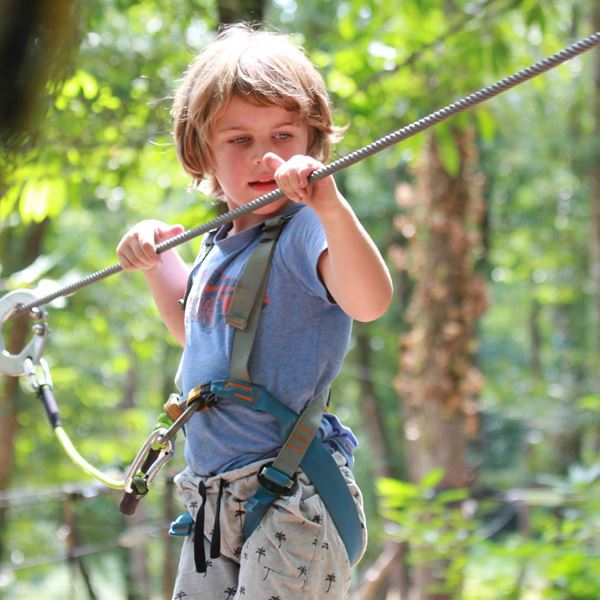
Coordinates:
(242, 135)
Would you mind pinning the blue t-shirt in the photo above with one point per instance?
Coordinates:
(299, 348)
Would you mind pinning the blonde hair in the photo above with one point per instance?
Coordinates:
(263, 67)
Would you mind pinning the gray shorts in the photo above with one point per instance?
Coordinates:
(295, 552)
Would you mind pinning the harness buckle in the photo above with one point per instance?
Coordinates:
(201, 397)
(275, 481)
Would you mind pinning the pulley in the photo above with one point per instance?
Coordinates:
(13, 364)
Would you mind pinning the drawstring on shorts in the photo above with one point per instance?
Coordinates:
(215, 543)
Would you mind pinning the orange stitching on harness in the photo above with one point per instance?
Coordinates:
(248, 388)
(306, 429)
(294, 447)
(300, 439)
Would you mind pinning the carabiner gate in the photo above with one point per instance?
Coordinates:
(138, 467)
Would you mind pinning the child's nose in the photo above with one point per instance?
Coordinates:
(260, 149)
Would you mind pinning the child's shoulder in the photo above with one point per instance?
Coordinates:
(303, 238)
(302, 218)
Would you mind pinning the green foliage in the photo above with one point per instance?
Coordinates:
(434, 524)
(556, 557)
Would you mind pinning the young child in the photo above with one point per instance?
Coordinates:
(251, 115)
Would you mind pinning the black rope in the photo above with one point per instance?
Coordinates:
(386, 141)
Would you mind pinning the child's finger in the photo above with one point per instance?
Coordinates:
(304, 174)
(169, 232)
(145, 254)
(125, 263)
(273, 161)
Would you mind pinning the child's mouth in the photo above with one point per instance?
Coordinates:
(263, 186)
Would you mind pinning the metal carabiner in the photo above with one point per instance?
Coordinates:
(30, 369)
(137, 466)
(13, 364)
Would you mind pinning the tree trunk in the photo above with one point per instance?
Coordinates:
(438, 379)
(233, 11)
(16, 335)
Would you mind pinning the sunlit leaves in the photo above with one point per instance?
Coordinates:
(82, 82)
(41, 199)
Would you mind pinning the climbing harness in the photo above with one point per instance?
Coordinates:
(158, 449)
(301, 447)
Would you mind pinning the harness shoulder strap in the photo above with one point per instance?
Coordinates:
(206, 248)
(209, 242)
(247, 299)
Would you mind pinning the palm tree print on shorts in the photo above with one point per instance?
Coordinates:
(280, 536)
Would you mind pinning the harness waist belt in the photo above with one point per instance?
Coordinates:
(316, 461)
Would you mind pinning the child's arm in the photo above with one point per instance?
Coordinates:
(166, 273)
(352, 268)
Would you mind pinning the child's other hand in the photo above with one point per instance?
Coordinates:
(292, 176)
(137, 248)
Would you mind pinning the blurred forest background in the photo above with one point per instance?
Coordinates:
(477, 396)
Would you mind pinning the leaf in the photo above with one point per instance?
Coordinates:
(449, 496)
(590, 402)
(448, 151)
(42, 198)
(8, 202)
(432, 479)
(486, 123)
(396, 490)
(88, 84)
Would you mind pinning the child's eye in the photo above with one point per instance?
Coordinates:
(240, 139)
(283, 135)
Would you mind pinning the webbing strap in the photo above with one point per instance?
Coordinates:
(209, 242)
(206, 248)
(323, 472)
(256, 398)
(310, 455)
(327, 478)
(298, 431)
(325, 475)
(253, 275)
(247, 299)
(301, 436)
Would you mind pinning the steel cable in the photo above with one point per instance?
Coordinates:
(344, 162)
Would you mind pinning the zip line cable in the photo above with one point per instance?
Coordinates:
(473, 99)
